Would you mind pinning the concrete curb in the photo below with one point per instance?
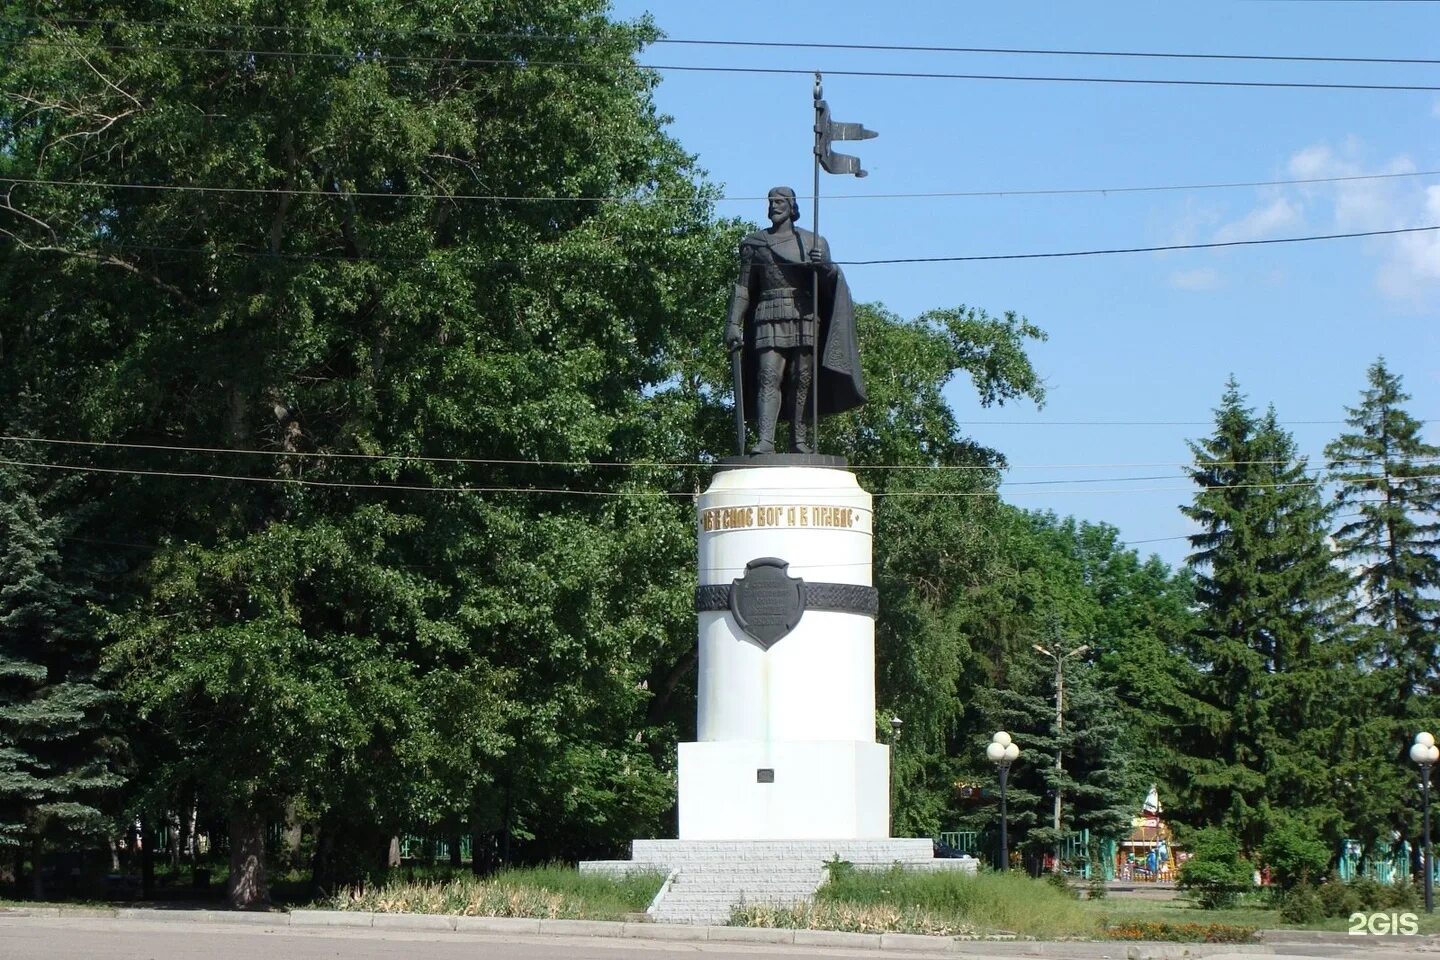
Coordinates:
(413, 921)
(331, 918)
(518, 925)
(889, 942)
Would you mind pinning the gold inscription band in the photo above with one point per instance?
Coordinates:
(814, 515)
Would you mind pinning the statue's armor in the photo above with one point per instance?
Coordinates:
(780, 290)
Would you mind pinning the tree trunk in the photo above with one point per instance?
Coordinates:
(37, 872)
(392, 853)
(454, 841)
(147, 858)
(322, 862)
(246, 888)
(505, 827)
(172, 828)
(293, 836)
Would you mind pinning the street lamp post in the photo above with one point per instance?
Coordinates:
(1002, 752)
(895, 724)
(1424, 752)
(1059, 659)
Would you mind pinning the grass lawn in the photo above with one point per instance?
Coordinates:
(991, 903)
(1120, 909)
(949, 903)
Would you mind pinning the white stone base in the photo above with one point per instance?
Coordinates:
(822, 788)
(707, 878)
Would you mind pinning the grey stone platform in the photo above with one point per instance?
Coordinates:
(707, 878)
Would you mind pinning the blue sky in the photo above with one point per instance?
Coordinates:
(1143, 337)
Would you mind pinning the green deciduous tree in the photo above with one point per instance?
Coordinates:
(1215, 871)
(935, 521)
(407, 610)
(431, 302)
(1046, 586)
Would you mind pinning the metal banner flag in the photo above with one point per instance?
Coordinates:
(827, 131)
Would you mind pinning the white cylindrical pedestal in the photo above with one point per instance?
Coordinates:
(787, 734)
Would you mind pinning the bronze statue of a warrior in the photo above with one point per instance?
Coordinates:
(774, 321)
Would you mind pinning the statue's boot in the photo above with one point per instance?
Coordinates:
(770, 366)
(801, 408)
(767, 411)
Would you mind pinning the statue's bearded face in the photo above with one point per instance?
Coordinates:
(779, 211)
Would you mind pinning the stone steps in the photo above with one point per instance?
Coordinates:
(712, 876)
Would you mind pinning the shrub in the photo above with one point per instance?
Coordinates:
(1097, 889)
(848, 917)
(1061, 882)
(1398, 896)
(1302, 905)
(1369, 895)
(1294, 852)
(1339, 899)
(541, 892)
(1215, 872)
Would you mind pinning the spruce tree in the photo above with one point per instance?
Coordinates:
(1388, 481)
(54, 767)
(1272, 605)
(1388, 495)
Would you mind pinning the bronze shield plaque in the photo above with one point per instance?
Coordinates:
(767, 602)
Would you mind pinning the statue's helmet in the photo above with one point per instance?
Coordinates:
(788, 194)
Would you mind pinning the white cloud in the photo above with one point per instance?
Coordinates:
(1202, 278)
(1316, 161)
(1407, 266)
(1412, 271)
(1262, 222)
(1358, 204)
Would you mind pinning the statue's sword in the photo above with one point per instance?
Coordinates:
(737, 375)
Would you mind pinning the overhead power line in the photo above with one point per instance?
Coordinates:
(1043, 52)
(527, 63)
(619, 198)
(646, 464)
(693, 42)
(1187, 536)
(1159, 249)
(368, 258)
(1145, 423)
(387, 487)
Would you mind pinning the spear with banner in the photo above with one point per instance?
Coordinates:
(826, 132)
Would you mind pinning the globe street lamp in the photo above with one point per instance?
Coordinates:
(1424, 752)
(1002, 752)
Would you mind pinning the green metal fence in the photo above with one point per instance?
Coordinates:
(432, 849)
(1384, 862)
(1074, 850)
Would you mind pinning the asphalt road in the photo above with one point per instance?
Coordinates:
(88, 939)
(81, 938)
